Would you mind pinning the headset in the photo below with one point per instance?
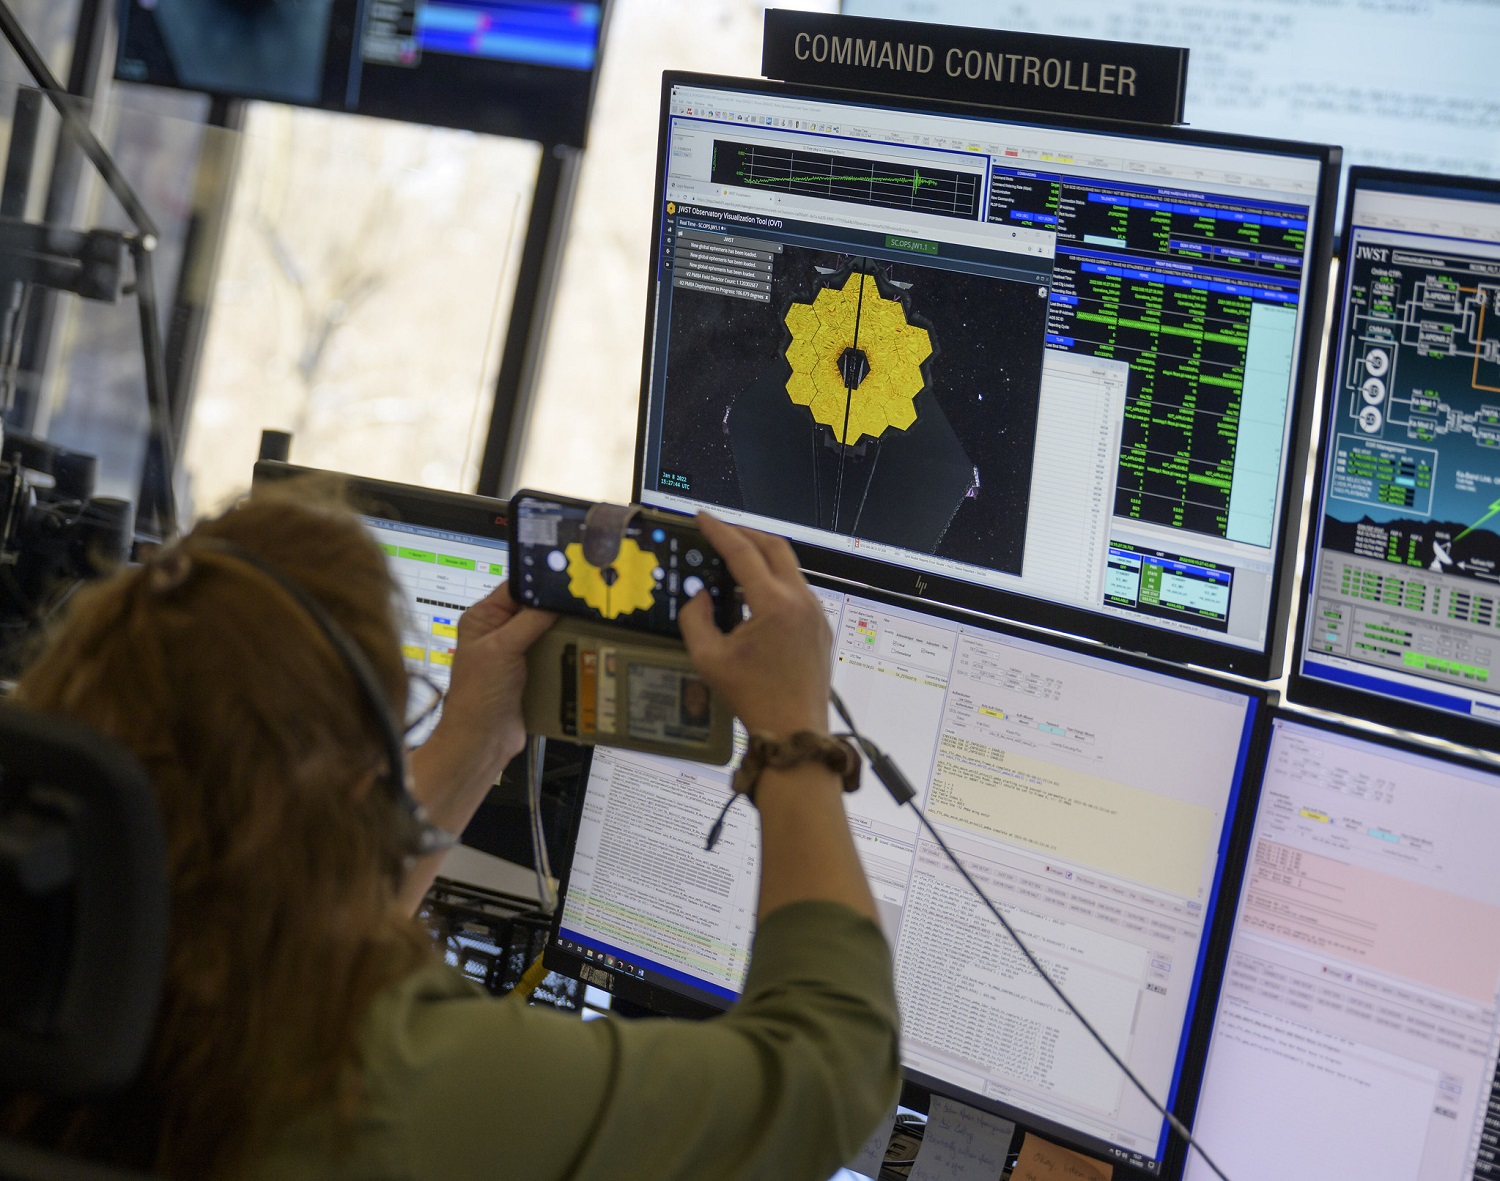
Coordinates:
(419, 836)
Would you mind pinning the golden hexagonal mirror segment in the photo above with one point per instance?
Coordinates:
(840, 320)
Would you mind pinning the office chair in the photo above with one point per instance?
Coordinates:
(83, 922)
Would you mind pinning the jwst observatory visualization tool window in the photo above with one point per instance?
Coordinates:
(1047, 361)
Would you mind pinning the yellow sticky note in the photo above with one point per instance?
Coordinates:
(441, 657)
(1041, 1160)
(445, 630)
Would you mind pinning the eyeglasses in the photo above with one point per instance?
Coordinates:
(424, 703)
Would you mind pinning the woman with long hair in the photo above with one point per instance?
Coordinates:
(307, 1027)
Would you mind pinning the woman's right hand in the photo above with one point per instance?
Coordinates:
(774, 667)
(773, 670)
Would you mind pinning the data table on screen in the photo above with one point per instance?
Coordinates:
(1358, 1015)
(439, 575)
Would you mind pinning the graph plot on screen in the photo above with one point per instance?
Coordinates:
(847, 178)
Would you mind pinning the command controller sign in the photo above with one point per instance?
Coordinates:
(1059, 75)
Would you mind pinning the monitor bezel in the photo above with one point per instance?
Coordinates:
(517, 100)
(1260, 664)
(1316, 692)
(1211, 988)
(917, 1088)
(430, 508)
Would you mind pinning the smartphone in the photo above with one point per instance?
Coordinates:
(660, 563)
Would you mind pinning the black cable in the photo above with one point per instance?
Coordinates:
(546, 884)
(145, 240)
(10, 345)
(717, 830)
(66, 105)
(901, 791)
(161, 446)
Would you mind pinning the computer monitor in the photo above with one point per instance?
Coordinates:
(1259, 70)
(1045, 369)
(1402, 596)
(1356, 1030)
(445, 551)
(522, 68)
(1092, 798)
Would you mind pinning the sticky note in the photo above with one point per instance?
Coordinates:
(962, 1144)
(1042, 1160)
(870, 1156)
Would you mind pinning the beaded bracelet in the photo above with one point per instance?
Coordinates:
(805, 746)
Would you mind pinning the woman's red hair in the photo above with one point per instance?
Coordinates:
(284, 855)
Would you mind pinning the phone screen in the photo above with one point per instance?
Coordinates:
(659, 567)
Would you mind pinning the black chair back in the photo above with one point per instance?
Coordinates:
(83, 909)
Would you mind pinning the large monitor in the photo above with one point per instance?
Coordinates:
(1356, 1031)
(1093, 799)
(1040, 369)
(522, 68)
(1402, 597)
(1398, 85)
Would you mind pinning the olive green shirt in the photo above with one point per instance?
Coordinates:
(787, 1084)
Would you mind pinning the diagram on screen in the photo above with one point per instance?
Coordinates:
(881, 400)
(856, 365)
(856, 362)
(1416, 456)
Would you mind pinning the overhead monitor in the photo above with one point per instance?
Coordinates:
(1356, 1031)
(1041, 370)
(1398, 85)
(1092, 799)
(445, 551)
(1401, 617)
(522, 68)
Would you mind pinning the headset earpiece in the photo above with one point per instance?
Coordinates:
(419, 836)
